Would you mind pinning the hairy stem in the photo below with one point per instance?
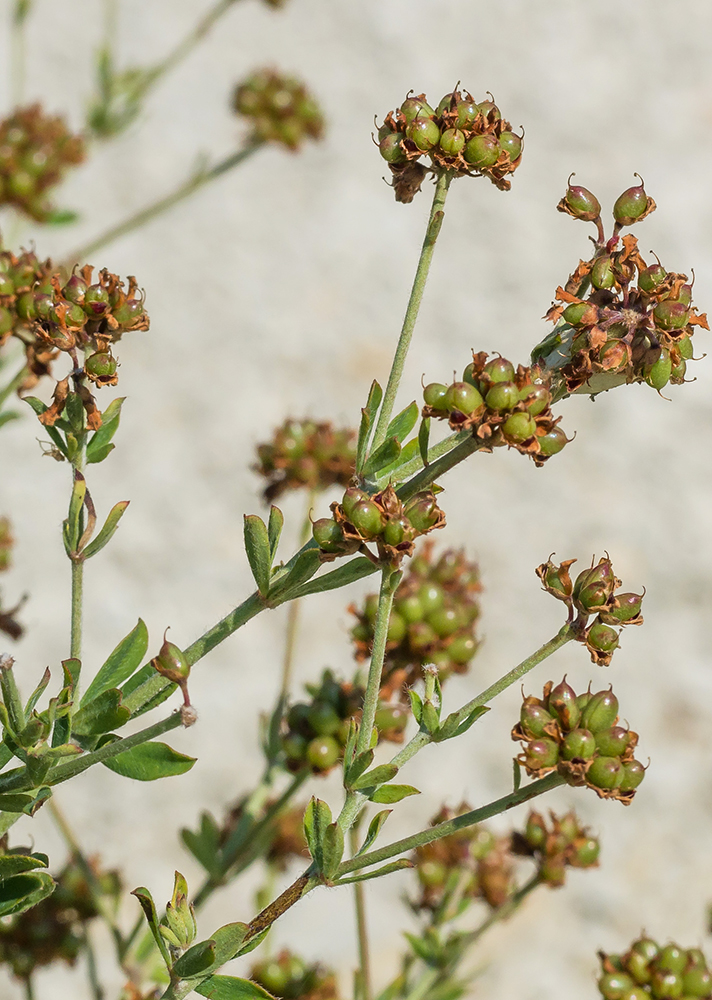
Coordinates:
(364, 958)
(75, 646)
(293, 610)
(389, 584)
(435, 221)
(183, 191)
(439, 467)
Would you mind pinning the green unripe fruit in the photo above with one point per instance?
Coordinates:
(602, 637)
(44, 306)
(323, 752)
(273, 976)
(298, 717)
(434, 395)
(510, 143)
(445, 622)
(351, 497)
(361, 633)
(575, 312)
(432, 874)
(535, 831)
(21, 184)
(462, 649)
(534, 719)
(490, 110)
(327, 534)
(26, 306)
(536, 398)
(502, 396)
(482, 151)
(452, 141)
(562, 704)
(499, 370)
(410, 609)
(367, 518)
(651, 278)
(6, 285)
(594, 586)
(602, 273)
(671, 959)
(423, 514)
(646, 947)
(697, 983)
(600, 712)
(463, 397)
(628, 609)
(669, 315)
(519, 427)
(578, 743)
(370, 608)
(636, 993)
(391, 718)
(540, 754)
(658, 375)
(696, 959)
(470, 376)
(391, 149)
(630, 205)
(637, 965)
(684, 346)
(677, 375)
(633, 774)
(96, 299)
(75, 289)
(587, 852)
(467, 111)
(424, 133)
(396, 530)
(396, 628)
(100, 365)
(323, 719)
(421, 636)
(666, 985)
(583, 204)
(171, 662)
(75, 317)
(605, 772)
(431, 597)
(612, 742)
(552, 442)
(614, 985)
(444, 105)
(415, 107)
(129, 311)
(7, 320)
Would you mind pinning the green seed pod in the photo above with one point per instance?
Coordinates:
(696, 959)
(552, 443)
(323, 719)
(636, 993)
(434, 395)
(410, 609)
(602, 637)
(423, 512)
(100, 365)
(511, 143)
(633, 774)
(6, 285)
(424, 133)
(575, 312)
(536, 398)
(651, 278)
(391, 149)
(391, 718)
(697, 982)
(612, 742)
(600, 712)
(665, 985)
(396, 530)
(463, 397)
(96, 301)
(432, 874)
(605, 772)
(272, 976)
(467, 111)
(632, 205)
(602, 275)
(670, 315)
(7, 320)
(519, 427)
(646, 947)
(431, 597)
(587, 852)
(445, 622)
(75, 289)
(594, 586)
(499, 370)
(397, 628)
(367, 518)
(671, 959)
(128, 312)
(351, 497)
(171, 662)
(25, 306)
(562, 704)
(684, 346)
(614, 985)
(540, 754)
(298, 717)
(658, 375)
(502, 396)
(534, 718)
(462, 649)
(323, 752)
(327, 534)
(535, 832)
(628, 609)
(452, 141)
(415, 107)
(685, 295)
(482, 151)
(490, 110)
(579, 743)
(421, 636)
(638, 966)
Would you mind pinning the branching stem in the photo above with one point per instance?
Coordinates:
(364, 974)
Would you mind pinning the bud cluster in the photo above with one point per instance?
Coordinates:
(279, 108)
(593, 592)
(304, 454)
(564, 844)
(461, 135)
(500, 405)
(381, 518)
(55, 928)
(434, 620)
(35, 151)
(288, 977)
(647, 969)
(578, 736)
(619, 319)
(20, 278)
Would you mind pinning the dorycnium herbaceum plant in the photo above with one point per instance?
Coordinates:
(374, 506)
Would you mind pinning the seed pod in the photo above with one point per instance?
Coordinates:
(580, 203)
(323, 719)
(463, 397)
(328, 535)
(556, 580)
(670, 315)
(467, 111)
(171, 663)
(593, 587)
(397, 628)
(602, 275)
(367, 518)
(575, 312)
(579, 743)
(462, 649)
(666, 985)
(75, 289)
(519, 427)
(612, 742)
(605, 772)
(535, 831)
(499, 370)
(323, 752)
(627, 612)
(541, 754)
(424, 133)
(633, 774)
(613, 985)
(658, 375)
(502, 396)
(562, 704)
(671, 959)
(633, 205)
(600, 712)
(586, 853)
(482, 151)
(396, 531)
(511, 144)
(536, 398)
(434, 395)
(415, 107)
(697, 982)
(445, 622)
(534, 718)
(410, 609)
(452, 141)
(100, 367)
(391, 149)
(602, 637)
(423, 512)
(490, 110)
(351, 497)
(650, 278)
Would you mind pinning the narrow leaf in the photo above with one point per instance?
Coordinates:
(430, 718)
(332, 849)
(149, 761)
(101, 715)
(392, 472)
(351, 743)
(274, 530)
(231, 988)
(99, 445)
(424, 439)
(204, 844)
(7, 416)
(516, 775)
(450, 728)
(368, 415)
(379, 775)
(36, 404)
(384, 455)
(416, 704)
(37, 693)
(76, 503)
(402, 424)
(122, 662)
(98, 454)
(317, 817)
(351, 571)
(374, 828)
(359, 765)
(195, 960)
(149, 911)
(107, 532)
(15, 864)
(304, 568)
(21, 892)
(394, 866)
(257, 547)
(253, 943)
(388, 794)
(20, 802)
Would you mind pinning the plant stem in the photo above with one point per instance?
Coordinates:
(18, 55)
(438, 468)
(29, 989)
(426, 982)
(293, 610)
(435, 221)
(389, 585)
(365, 992)
(92, 972)
(198, 180)
(505, 910)
(453, 825)
(14, 383)
(75, 649)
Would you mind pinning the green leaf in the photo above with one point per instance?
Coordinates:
(351, 743)
(99, 443)
(317, 817)
(253, 943)
(368, 415)
(108, 531)
(101, 715)
(37, 693)
(356, 769)
(388, 794)
(99, 453)
(374, 828)
(379, 775)
(394, 472)
(351, 571)
(196, 960)
(332, 849)
(205, 845)
(15, 864)
(7, 416)
(36, 404)
(61, 217)
(274, 530)
(257, 547)
(431, 719)
(149, 761)
(384, 455)
(450, 727)
(74, 413)
(231, 988)
(121, 664)
(394, 866)
(516, 775)
(21, 892)
(416, 704)
(74, 517)
(424, 439)
(305, 566)
(21, 802)
(149, 911)
(402, 424)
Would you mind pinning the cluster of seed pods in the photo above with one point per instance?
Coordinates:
(289, 977)
(279, 109)
(648, 969)
(304, 454)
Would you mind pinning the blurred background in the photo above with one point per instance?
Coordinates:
(278, 291)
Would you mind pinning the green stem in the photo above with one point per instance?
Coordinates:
(389, 585)
(29, 989)
(191, 40)
(401, 473)
(364, 959)
(95, 986)
(452, 826)
(411, 314)
(13, 384)
(438, 468)
(505, 910)
(293, 610)
(18, 56)
(198, 180)
(425, 983)
(75, 649)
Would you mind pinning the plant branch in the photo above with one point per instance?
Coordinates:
(435, 222)
(505, 910)
(389, 585)
(438, 468)
(293, 610)
(191, 40)
(364, 973)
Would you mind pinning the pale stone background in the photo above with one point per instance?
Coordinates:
(280, 291)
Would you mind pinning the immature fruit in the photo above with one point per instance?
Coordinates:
(367, 518)
(671, 959)
(482, 151)
(510, 143)
(463, 397)
(519, 427)
(410, 609)
(431, 597)
(602, 637)
(575, 312)
(490, 110)
(658, 375)
(628, 609)
(612, 742)
(467, 111)
(602, 273)
(273, 976)
(391, 149)
(600, 712)
(562, 703)
(323, 718)
(684, 346)
(397, 628)
(632, 205)
(587, 852)
(414, 107)
(424, 133)
(499, 370)
(697, 983)
(351, 497)
(7, 321)
(502, 396)
(534, 719)
(445, 622)
(581, 203)
(650, 278)
(594, 586)
(171, 662)
(452, 141)
(540, 754)
(578, 743)
(669, 315)
(605, 772)
(536, 398)
(462, 649)
(96, 301)
(327, 534)
(396, 530)
(75, 289)
(100, 365)
(633, 774)
(434, 395)
(423, 513)
(614, 985)
(323, 752)
(666, 985)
